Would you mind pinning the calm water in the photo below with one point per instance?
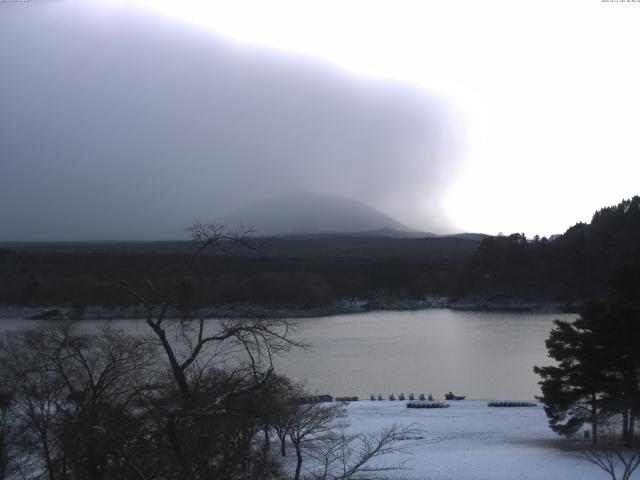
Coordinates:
(483, 355)
(479, 354)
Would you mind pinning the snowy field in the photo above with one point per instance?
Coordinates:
(470, 441)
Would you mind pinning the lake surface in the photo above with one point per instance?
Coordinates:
(483, 355)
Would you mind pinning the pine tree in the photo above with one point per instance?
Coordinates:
(573, 392)
(619, 335)
(598, 371)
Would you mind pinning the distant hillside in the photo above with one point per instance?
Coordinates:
(332, 245)
(296, 271)
(369, 244)
(304, 212)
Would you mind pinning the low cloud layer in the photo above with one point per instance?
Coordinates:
(119, 125)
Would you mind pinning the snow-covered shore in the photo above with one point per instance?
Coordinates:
(471, 441)
(341, 307)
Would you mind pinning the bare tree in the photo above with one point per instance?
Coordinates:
(76, 399)
(273, 402)
(9, 428)
(282, 417)
(36, 391)
(214, 366)
(319, 431)
(108, 376)
(251, 342)
(619, 463)
(344, 457)
(617, 460)
(310, 424)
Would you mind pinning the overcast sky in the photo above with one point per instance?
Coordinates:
(130, 119)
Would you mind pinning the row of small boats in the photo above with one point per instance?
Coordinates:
(447, 396)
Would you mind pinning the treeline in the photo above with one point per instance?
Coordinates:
(87, 279)
(579, 265)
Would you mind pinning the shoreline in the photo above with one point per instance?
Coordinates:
(342, 307)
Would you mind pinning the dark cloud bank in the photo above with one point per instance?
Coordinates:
(127, 126)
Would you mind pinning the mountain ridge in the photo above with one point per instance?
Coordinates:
(300, 212)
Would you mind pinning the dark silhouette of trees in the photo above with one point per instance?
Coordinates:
(598, 370)
(193, 399)
(572, 391)
(307, 273)
(310, 424)
(9, 428)
(73, 400)
(215, 369)
(70, 281)
(317, 431)
(575, 267)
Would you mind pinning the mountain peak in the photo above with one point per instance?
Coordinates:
(300, 211)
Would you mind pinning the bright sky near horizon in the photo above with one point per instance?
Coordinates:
(548, 91)
(469, 115)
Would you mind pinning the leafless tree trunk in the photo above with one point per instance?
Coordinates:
(594, 419)
(311, 423)
(619, 462)
(243, 349)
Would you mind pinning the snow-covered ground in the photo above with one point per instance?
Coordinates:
(471, 441)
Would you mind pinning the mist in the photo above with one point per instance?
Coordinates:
(117, 124)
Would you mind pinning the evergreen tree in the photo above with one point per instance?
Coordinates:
(573, 391)
(619, 335)
(598, 369)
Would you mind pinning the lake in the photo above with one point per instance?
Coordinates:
(483, 355)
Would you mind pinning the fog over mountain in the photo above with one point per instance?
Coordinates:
(305, 212)
(118, 124)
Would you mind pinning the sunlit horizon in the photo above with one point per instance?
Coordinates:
(534, 87)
